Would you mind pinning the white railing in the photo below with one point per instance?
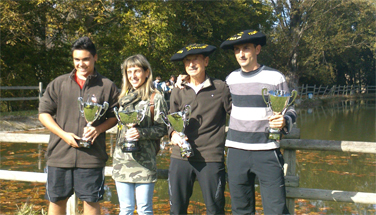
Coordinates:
(39, 88)
(307, 92)
(290, 145)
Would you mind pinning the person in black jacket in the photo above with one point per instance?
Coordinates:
(210, 102)
(71, 168)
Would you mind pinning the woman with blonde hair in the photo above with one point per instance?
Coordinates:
(135, 172)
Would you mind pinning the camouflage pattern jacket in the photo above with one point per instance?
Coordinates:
(140, 166)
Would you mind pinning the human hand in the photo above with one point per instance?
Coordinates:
(176, 139)
(71, 139)
(90, 133)
(277, 121)
(181, 80)
(132, 133)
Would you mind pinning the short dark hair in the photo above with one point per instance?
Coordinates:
(84, 43)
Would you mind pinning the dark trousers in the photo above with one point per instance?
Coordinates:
(210, 176)
(243, 166)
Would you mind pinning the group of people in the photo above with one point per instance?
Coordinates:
(165, 86)
(251, 153)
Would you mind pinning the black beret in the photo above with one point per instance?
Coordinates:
(191, 49)
(247, 36)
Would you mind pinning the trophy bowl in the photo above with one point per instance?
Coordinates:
(279, 101)
(129, 118)
(91, 111)
(178, 121)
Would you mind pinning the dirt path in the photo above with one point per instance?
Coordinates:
(17, 123)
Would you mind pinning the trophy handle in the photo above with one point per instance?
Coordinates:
(263, 92)
(80, 105)
(164, 119)
(186, 112)
(104, 108)
(294, 93)
(143, 112)
(117, 114)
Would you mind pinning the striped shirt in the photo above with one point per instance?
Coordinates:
(248, 126)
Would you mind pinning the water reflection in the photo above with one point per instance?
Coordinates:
(346, 120)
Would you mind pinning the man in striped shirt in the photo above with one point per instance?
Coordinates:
(250, 152)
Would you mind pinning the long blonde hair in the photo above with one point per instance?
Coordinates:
(145, 90)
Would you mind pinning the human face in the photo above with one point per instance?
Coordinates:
(83, 62)
(246, 55)
(195, 65)
(137, 76)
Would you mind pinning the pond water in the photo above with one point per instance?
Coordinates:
(350, 120)
(347, 120)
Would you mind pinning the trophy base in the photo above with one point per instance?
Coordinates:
(130, 147)
(186, 150)
(186, 153)
(84, 144)
(274, 134)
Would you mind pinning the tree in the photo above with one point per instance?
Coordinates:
(36, 35)
(313, 39)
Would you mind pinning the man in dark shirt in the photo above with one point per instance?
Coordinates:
(210, 101)
(69, 167)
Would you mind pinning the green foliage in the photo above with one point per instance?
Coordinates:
(324, 42)
(311, 41)
(36, 34)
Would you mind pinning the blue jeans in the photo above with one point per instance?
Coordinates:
(129, 193)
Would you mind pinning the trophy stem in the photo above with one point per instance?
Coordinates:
(274, 134)
(131, 145)
(186, 150)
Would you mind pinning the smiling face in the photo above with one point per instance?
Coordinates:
(195, 65)
(137, 76)
(246, 55)
(83, 63)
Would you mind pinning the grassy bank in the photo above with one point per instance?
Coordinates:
(19, 113)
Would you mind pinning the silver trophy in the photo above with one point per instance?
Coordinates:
(129, 118)
(278, 102)
(91, 111)
(178, 121)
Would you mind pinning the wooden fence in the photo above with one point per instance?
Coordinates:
(39, 88)
(290, 145)
(309, 92)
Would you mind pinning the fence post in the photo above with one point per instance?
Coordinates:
(72, 205)
(289, 155)
(318, 92)
(323, 94)
(40, 90)
(290, 169)
(314, 89)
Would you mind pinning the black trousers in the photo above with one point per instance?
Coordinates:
(210, 176)
(243, 166)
